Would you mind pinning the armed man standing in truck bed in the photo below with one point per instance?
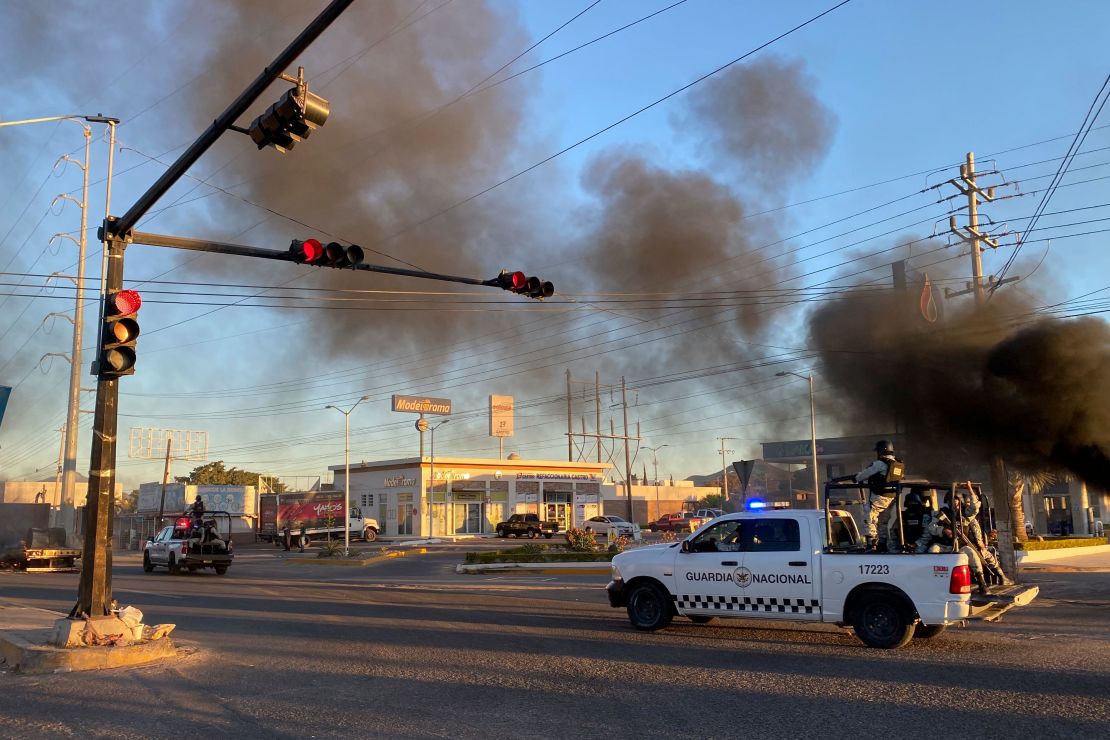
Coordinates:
(881, 477)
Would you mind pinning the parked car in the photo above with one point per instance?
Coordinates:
(683, 521)
(602, 524)
(709, 513)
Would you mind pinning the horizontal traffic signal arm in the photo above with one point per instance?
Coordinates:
(333, 254)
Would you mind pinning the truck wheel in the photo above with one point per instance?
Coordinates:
(221, 569)
(532, 534)
(502, 533)
(881, 622)
(701, 619)
(304, 541)
(174, 568)
(147, 565)
(648, 607)
(369, 534)
(547, 535)
(652, 528)
(928, 631)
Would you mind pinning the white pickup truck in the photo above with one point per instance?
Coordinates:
(777, 565)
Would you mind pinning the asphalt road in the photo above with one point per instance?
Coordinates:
(409, 649)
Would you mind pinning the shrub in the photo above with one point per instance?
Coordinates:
(330, 549)
(580, 540)
(1059, 543)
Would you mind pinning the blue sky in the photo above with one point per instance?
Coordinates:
(911, 87)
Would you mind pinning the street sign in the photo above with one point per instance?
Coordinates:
(422, 405)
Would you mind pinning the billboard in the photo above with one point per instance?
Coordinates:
(500, 416)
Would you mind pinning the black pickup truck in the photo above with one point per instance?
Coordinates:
(527, 525)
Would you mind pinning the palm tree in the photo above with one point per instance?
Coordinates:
(1036, 482)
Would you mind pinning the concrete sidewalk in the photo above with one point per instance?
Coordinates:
(26, 645)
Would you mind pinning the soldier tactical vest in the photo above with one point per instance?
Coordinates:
(884, 484)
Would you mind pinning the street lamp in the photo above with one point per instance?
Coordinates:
(655, 473)
(347, 464)
(423, 426)
(812, 432)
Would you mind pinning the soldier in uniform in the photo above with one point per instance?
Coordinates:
(882, 478)
(940, 535)
(968, 506)
(915, 510)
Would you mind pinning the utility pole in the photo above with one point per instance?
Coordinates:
(967, 185)
(724, 472)
(627, 457)
(67, 510)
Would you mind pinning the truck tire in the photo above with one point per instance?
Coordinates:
(532, 534)
(649, 609)
(928, 631)
(881, 622)
(501, 532)
(369, 534)
(172, 565)
(147, 565)
(547, 535)
(221, 569)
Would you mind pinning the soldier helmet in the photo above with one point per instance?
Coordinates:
(198, 497)
(884, 447)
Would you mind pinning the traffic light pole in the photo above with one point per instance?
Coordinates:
(242, 250)
(94, 592)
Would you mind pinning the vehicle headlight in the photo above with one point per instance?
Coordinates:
(614, 572)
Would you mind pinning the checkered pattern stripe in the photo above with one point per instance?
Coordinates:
(747, 604)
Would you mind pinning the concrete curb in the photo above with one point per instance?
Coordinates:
(27, 648)
(595, 568)
(28, 658)
(1040, 556)
(359, 562)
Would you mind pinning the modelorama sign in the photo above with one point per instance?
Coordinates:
(422, 404)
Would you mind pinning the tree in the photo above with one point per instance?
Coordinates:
(1036, 482)
(216, 474)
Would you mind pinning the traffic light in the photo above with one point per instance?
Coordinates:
(519, 283)
(334, 254)
(119, 334)
(291, 119)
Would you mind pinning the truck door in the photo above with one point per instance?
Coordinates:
(705, 567)
(158, 547)
(777, 574)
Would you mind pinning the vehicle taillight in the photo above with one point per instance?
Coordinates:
(960, 583)
(185, 550)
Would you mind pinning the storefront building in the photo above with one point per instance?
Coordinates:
(471, 495)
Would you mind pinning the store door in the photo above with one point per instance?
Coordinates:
(559, 512)
(468, 518)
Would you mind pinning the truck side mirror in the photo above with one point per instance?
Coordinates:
(685, 546)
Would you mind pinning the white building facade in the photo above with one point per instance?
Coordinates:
(470, 496)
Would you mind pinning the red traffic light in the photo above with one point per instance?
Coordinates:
(334, 254)
(126, 302)
(521, 284)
